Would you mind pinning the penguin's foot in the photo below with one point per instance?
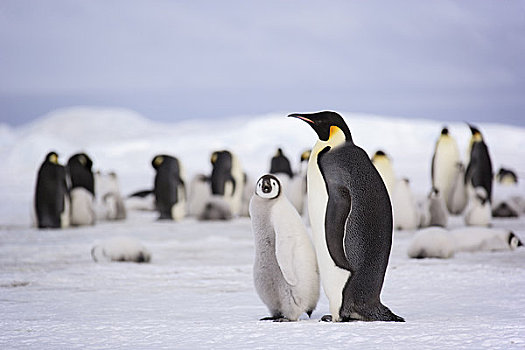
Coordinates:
(282, 319)
(326, 318)
(271, 318)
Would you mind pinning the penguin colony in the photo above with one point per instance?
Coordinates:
(351, 201)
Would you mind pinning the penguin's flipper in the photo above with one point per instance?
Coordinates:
(337, 211)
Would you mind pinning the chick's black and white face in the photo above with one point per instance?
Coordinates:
(268, 187)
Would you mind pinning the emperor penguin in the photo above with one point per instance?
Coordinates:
(478, 212)
(506, 177)
(227, 179)
(383, 165)
(82, 191)
(479, 169)
(457, 199)
(280, 164)
(443, 168)
(291, 184)
(169, 187)
(351, 219)
(285, 270)
(120, 249)
(51, 194)
(507, 202)
(406, 212)
(437, 209)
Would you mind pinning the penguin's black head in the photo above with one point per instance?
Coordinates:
(52, 157)
(81, 159)
(444, 131)
(514, 241)
(475, 131)
(268, 187)
(325, 124)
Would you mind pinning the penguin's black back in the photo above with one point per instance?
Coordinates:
(50, 193)
(167, 181)
(222, 172)
(479, 170)
(79, 168)
(280, 164)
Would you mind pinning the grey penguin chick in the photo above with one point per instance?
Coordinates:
(285, 270)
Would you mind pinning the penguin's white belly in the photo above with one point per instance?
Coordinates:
(178, 210)
(333, 278)
(444, 170)
(82, 207)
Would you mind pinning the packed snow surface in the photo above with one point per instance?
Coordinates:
(197, 291)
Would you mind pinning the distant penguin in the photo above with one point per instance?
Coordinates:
(479, 169)
(475, 239)
(285, 271)
(437, 208)
(436, 242)
(120, 249)
(280, 164)
(82, 191)
(351, 218)
(227, 179)
(51, 194)
(478, 212)
(506, 177)
(444, 168)
(457, 199)
(79, 167)
(109, 202)
(406, 215)
(169, 189)
(383, 165)
(507, 201)
(303, 168)
(431, 242)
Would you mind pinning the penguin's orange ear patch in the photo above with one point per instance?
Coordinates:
(53, 159)
(213, 157)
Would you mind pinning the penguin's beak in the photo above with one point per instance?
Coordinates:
(299, 116)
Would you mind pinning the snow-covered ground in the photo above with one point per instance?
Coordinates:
(197, 292)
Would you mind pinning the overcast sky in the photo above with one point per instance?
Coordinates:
(447, 60)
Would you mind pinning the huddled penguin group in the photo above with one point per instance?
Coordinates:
(66, 195)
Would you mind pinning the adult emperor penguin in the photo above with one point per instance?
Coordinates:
(351, 219)
(285, 271)
(479, 169)
(280, 164)
(227, 179)
(443, 167)
(170, 189)
(51, 194)
(82, 190)
(383, 165)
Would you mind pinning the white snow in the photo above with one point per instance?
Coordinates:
(197, 292)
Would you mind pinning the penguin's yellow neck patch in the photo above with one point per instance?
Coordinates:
(477, 137)
(337, 136)
(158, 160)
(214, 157)
(53, 159)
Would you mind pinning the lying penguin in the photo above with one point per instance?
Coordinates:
(120, 249)
(437, 242)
